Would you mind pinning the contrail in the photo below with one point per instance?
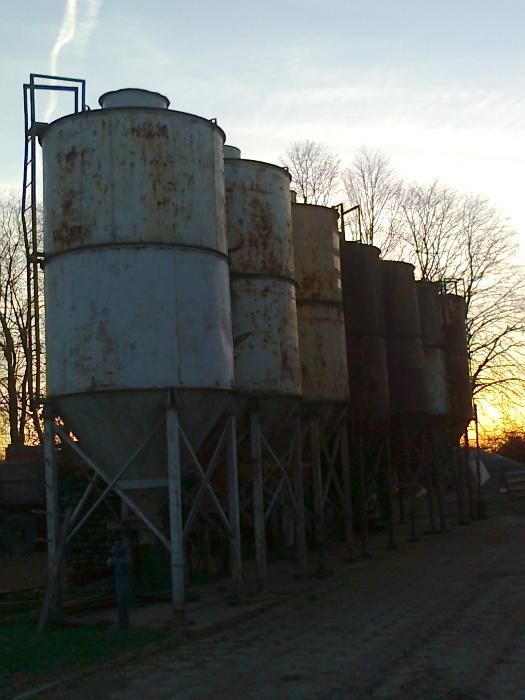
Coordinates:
(72, 25)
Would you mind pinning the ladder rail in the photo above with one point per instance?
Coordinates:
(29, 214)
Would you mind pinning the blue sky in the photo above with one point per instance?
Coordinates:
(437, 86)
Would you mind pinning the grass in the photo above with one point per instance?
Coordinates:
(27, 658)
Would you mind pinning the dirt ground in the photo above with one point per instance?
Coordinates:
(443, 618)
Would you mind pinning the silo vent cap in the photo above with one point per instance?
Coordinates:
(133, 97)
(231, 151)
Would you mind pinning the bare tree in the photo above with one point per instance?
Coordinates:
(372, 184)
(431, 218)
(462, 237)
(315, 172)
(15, 354)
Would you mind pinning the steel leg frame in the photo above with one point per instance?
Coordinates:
(290, 483)
(329, 457)
(51, 488)
(175, 507)
(175, 542)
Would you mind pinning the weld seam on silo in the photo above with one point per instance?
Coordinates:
(136, 110)
(262, 275)
(137, 246)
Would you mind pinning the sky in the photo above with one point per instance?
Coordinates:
(438, 86)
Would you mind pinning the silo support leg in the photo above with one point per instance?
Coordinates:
(315, 442)
(390, 494)
(51, 488)
(347, 492)
(233, 510)
(300, 528)
(175, 503)
(258, 502)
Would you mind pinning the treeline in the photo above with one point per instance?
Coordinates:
(447, 235)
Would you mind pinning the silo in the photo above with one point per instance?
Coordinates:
(319, 304)
(365, 332)
(323, 361)
(136, 279)
(431, 318)
(264, 319)
(406, 360)
(457, 360)
(264, 316)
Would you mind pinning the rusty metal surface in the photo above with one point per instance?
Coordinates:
(259, 223)
(362, 288)
(136, 278)
(457, 360)
(265, 336)
(264, 314)
(368, 377)
(133, 176)
(319, 303)
(364, 328)
(430, 313)
(431, 318)
(406, 359)
(324, 368)
(316, 252)
(137, 318)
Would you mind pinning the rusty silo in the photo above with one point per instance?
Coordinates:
(264, 316)
(362, 288)
(323, 361)
(457, 360)
(138, 318)
(431, 317)
(137, 282)
(406, 359)
(319, 304)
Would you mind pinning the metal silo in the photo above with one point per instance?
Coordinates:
(367, 372)
(406, 360)
(138, 319)
(264, 320)
(435, 439)
(457, 360)
(431, 317)
(323, 354)
(264, 315)
(319, 303)
(365, 332)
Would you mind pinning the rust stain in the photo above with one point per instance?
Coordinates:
(147, 130)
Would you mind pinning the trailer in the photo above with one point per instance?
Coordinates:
(22, 499)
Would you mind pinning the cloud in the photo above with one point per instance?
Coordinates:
(74, 24)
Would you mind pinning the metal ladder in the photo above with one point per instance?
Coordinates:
(33, 128)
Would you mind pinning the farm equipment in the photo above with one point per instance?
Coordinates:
(22, 499)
